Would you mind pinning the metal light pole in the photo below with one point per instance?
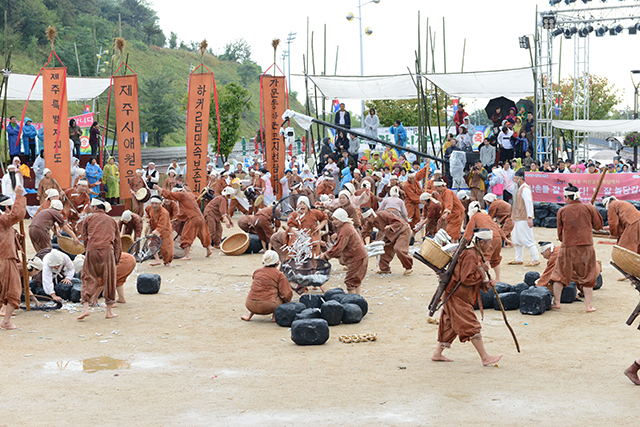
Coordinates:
(290, 38)
(635, 112)
(368, 31)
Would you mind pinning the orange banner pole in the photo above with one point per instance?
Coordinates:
(57, 151)
(198, 106)
(125, 95)
(274, 104)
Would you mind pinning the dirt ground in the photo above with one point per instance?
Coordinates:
(184, 357)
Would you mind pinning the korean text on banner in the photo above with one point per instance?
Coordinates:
(274, 102)
(200, 85)
(57, 152)
(125, 91)
(549, 187)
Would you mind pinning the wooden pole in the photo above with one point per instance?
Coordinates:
(335, 71)
(25, 273)
(324, 73)
(77, 59)
(464, 50)
(595, 193)
(446, 96)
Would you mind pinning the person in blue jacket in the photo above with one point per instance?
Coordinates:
(29, 133)
(94, 175)
(399, 134)
(13, 130)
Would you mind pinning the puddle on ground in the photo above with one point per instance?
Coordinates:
(90, 365)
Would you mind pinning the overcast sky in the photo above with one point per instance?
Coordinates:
(491, 29)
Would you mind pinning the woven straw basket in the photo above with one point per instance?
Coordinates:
(127, 241)
(433, 253)
(626, 260)
(66, 245)
(235, 244)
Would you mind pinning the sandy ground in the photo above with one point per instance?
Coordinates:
(183, 357)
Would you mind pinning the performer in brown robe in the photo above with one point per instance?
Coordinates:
(124, 268)
(135, 184)
(478, 218)
(265, 226)
(412, 191)
(259, 186)
(51, 194)
(435, 176)
(550, 253)
(194, 223)
(431, 211)
(277, 243)
(269, 289)
(131, 223)
(46, 183)
(79, 199)
(215, 212)
(11, 283)
(160, 225)
(501, 211)
(577, 257)
(624, 223)
(43, 222)
(453, 211)
(306, 219)
(170, 180)
(103, 250)
(396, 235)
(326, 186)
(458, 318)
(344, 202)
(350, 249)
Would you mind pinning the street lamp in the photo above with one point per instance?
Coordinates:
(635, 112)
(368, 31)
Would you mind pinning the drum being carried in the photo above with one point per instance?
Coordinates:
(143, 195)
(250, 194)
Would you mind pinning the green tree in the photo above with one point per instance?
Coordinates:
(603, 96)
(238, 51)
(249, 72)
(159, 115)
(173, 40)
(388, 111)
(233, 100)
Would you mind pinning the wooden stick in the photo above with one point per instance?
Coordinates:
(504, 314)
(25, 273)
(595, 193)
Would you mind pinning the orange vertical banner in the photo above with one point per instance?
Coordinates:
(198, 106)
(57, 152)
(125, 95)
(274, 102)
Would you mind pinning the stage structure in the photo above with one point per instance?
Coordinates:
(577, 23)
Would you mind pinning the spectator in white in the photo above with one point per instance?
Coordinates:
(464, 140)
(333, 169)
(75, 165)
(471, 129)
(152, 176)
(38, 167)
(284, 183)
(174, 164)
(57, 268)
(504, 139)
(308, 179)
(371, 124)
(522, 215)
(562, 167)
(509, 185)
(10, 181)
(342, 118)
(354, 147)
(487, 154)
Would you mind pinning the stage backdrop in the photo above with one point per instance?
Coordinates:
(128, 129)
(200, 86)
(274, 102)
(57, 153)
(549, 187)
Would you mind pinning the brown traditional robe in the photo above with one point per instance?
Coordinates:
(624, 223)
(545, 279)
(451, 202)
(135, 184)
(133, 226)
(482, 220)
(11, 282)
(278, 244)
(265, 224)
(308, 222)
(412, 192)
(46, 183)
(350, 249)
(213, 214)
(194, 223)
(327, 186)
(40, 228)
(396, 239)
(169, 183)
(80, 202)
(159, 221)
(269, 289)
(501, 211)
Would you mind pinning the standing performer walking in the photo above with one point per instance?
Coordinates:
(10, 285)
(523, 222)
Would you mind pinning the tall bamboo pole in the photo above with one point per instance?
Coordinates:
(324, 73)
(446, 96)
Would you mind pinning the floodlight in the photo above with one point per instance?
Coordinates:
(632, 30)
(548, 20)
(554, 2)
(569, 32)
(568, 2)
(618, 28)
(524, 42)
(368, 31)
(350, 16)
(557, 32)
(601, 31)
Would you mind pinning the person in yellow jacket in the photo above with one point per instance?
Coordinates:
(390, 157)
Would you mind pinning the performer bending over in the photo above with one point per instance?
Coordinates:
(458, 318)
(270, 288)
(160, 225)
(396, 235)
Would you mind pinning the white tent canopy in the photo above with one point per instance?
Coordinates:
(613, 126)
(78, 88)
(515, 83)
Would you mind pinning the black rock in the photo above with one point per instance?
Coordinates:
(518, 288)
(553, 208)
(530, 277)
(64, 291)
(541, 213)
(536, 222)
(332, 311)
(536, 205)
(487, 300)
(502, 288)
(308, 313)
(568, 294)
(331, 292)
(535, 300)
(358, 300)
(312, 300)
(598, 205)
(351, 314)
(76, 290)
(285, 313)
(550, 222)
(36, 289)
(149, 283)
(310, 332)
(255, 245)
(603, 214)
(510, 301)
(598, 282)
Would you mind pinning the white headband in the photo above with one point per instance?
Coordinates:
(474, 208)
(608, 200)
(342, 216)
(549, 246)
(368, 213)
(483, 234)
(303, 200)
(462, 195)
(394, 192)
(345, 193)
(490, 197)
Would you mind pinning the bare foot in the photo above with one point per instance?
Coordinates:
(632, 375)
(110, 315)
(491, 360)
(622, 279)
(441, 358)
(186, 258)
(209, 251)
(121, 301)
(247, 317)
(533, 263)
(556, 307)
(591, 309)
(83, 315)
(273, 319)
(383, 272)
(168, 265)
(153, 264)
(8, 326)
(407, 272)
(514, 263)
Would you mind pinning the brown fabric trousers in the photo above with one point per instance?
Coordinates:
(195, 227)
(264, 230)
(577, 264)
(630, 238)
(413, 213)
(10, 283)
(457, 320)
(507, 227)
(262, 307)
(477, 194)
(40, 238)
(99, 264)
(399, 247)
(215, 230)
(356, 272)
(137, 207)
(277, 244)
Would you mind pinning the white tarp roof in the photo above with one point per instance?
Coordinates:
(515, 83)
(613, 126)
(78, 88)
